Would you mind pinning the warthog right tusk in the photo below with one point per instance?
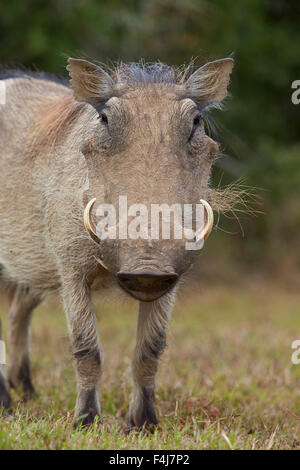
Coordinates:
(101, 262)
(89, 224)
(91, 227)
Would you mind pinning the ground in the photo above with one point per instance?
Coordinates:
(226, 380)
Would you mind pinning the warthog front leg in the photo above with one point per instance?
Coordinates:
(19, 316)
(151, 342)
(85, 349)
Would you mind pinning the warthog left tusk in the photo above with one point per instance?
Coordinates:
(205, 231)
(89, 224)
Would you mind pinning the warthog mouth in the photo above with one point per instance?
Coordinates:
(147, 285)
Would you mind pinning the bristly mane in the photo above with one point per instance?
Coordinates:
(56, 112)
(57, 115)
(123, 73)
(145, 73)
(23, 72)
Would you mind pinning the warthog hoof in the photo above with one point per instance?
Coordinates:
(87, 408)
(140, 426)
(142, 413)
(19, 377)
(5, 400)
(86, 420)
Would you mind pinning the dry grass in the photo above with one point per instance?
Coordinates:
(226, 380)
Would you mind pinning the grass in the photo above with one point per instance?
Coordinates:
(226, 380)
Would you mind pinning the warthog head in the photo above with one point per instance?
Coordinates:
(146, 145)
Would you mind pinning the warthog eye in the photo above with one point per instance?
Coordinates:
(103, 118)
(196, 122)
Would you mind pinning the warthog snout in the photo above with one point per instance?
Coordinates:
(146, 285)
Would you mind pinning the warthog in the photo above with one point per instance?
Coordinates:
(137, 130)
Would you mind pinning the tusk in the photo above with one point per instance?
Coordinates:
(101, 263)
(204, 233)
(88, 221)
(188, 233)
(91, 227)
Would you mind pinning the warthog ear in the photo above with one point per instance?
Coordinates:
(209, 83)
(90, 82)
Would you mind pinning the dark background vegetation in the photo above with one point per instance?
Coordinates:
(260, 128)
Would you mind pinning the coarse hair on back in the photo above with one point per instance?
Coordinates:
(55, 107)
(55, 120)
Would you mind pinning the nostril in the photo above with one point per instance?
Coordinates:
(127, 281)
(170, 281)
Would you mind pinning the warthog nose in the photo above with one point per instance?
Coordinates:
(146, 285)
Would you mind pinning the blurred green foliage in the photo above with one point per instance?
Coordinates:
(260, 129)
